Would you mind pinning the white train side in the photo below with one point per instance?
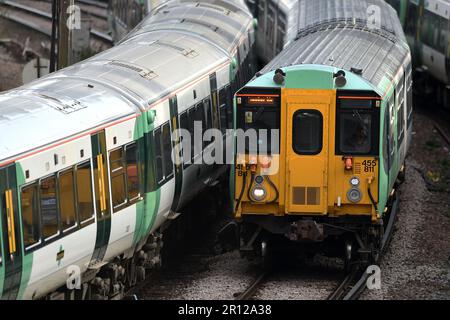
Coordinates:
(86, 171)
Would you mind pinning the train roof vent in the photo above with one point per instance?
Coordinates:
(215, 28)
(61, 103)
(187, 52)
(211, 6)
(143, 72)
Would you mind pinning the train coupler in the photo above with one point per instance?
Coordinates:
(306, 230)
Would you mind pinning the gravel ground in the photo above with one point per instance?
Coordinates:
(202, 278)
(416, 265)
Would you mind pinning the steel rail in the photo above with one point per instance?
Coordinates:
(348, 288)
(253, 287)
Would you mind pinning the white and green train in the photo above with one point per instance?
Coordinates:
(87, 177)
(427, 28)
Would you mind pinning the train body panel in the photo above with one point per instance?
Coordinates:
(89, 178)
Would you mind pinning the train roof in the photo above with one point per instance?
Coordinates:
(122, 81)
(378, 13)
(348, 44)
(37, 115)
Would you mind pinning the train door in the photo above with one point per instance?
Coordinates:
(10, 246)
(103, 210)
(307, 153)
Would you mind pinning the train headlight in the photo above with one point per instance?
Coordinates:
(259, 179)
(354, 181)
(258, 193)
(354, 195)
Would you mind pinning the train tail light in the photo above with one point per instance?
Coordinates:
(348, 163)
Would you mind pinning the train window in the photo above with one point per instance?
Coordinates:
(280, 33)
(167, 149)
(223, 109)
(184, 124)
(208, 119)
(190, 116)
(307, 131)
(131, 156)
(117, 168)
(30, 214)
(411, 19)
(198, 120)
(396, 5)
(443, 40)
(49, 207)
(67, 199)
(270, 24)
(85, 205)
(261, 15)
(409, 100)
(355, 132)
(400, 96)
(208, 116)
(230, 117)
(391, 109)
(158, 155)
(385, 141)
(259, 120)
(430, 30)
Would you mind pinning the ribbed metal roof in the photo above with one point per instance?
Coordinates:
(336, 33)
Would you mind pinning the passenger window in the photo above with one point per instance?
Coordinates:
(261, 15)
(223, 109)
(49, 207)
(84, 192)
(30, 217)
(391, 108)
(307, 132)
(167, 149)
(184, 124)
(385, 141)
(132, 172)
(67, 199)
(198, 118)
(208, 117)
(230, 108)
(119, 197)
(190, 114)
(158, 155)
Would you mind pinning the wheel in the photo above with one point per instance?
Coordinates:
(266, 255)
(348, 255)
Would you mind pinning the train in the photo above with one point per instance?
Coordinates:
(90, 171)
(125, 15)
(321, 133)
(427, 28)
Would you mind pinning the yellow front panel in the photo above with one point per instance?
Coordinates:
(307, 174)
(309, 184)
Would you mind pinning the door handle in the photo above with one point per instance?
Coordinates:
(10, 222)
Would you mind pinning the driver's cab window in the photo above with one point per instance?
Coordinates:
(355, 127)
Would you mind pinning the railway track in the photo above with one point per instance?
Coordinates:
(39, 20)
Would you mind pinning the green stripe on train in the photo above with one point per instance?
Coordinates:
(147, 210)
(27, 262)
